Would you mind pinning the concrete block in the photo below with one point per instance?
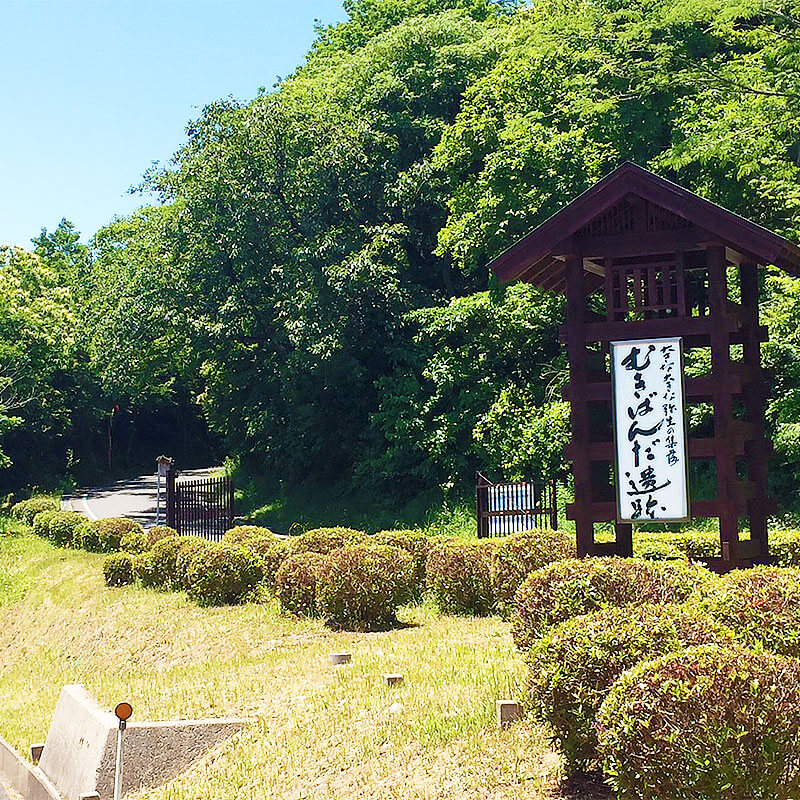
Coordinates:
(393, 679)
(340, 658)
(508, 712)
(36, 752)
(80, 752)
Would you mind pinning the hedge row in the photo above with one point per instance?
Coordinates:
(784, 546)
(69, 529)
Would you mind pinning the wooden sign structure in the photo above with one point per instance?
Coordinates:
(640, 258)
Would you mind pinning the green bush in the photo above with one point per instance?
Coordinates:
(296, 583)
(326, 540)
(572, 667)
(520, 554)
(188, 547)
(159, 532)
(223, 574)
(459, 576)
(134, 541)
(417, 545)
(656, 549)
(243, 534)
(708, 723)
(156, 568)
(573, 587)
(272, 558)
(87, 536)
(784, 548)
(118, 569)
(26, 510)
(61, 527)
(41, 523)
(111, 530)
(361, 587)
(761, 605)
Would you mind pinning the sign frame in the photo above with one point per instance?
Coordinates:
(617, 472)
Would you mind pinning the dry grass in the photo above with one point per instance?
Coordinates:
(316, 731)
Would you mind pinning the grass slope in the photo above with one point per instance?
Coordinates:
(316, 731)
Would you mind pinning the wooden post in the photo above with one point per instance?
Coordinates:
(579, 410)
(754, 394)
(724, 448)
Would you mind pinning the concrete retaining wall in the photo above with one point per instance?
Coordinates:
(80, 751)
(24, 778)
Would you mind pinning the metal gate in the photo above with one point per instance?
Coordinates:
(200, 506)
(504, 508)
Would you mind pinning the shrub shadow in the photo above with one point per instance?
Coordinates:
(584, 786)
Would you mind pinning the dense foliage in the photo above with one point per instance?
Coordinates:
(708, 723)
(572, 667)
(312, 285)
(572, 587)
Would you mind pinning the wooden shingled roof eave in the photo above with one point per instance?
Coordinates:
(532, 258)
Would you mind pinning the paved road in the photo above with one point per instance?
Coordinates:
(134, 498)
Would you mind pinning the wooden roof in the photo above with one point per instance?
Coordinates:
(538, 257)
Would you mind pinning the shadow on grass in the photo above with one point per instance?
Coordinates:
(584, 786)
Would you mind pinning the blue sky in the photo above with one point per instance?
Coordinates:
(94, 91)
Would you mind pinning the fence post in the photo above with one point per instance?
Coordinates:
(171, 497)
(554, 504)
(230, 501)
(481, 492)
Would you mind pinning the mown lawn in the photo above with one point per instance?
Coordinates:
(316, 731)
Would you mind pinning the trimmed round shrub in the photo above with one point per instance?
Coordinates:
(361, 587)
(272, 558)
(134, 542)
(41, 523)
(459, 576)
(26, 510)
(242, 534)
(111, 530)
(708, 723)
(61, 527)
(572, 667)
(156, 568)
(188, 547)
(88, 536)
(118, 569)
(520, 554)
(657, 549)
(578, 586)
(223, 574)
(761, 605)
(326, 540)
(296, 583)
(417, 545)
(159, 532)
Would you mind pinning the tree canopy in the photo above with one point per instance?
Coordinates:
(312, 285)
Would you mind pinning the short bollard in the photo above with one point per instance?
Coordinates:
(508, 712)
(36, 752)
(339, 658)
(393, 679)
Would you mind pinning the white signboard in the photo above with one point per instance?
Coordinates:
(650, 430)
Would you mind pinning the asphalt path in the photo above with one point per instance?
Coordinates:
(134, 498)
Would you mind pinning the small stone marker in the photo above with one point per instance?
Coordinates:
(393, 679)
(340, 658)
(508, 712)
(36, 751)
(89, 796)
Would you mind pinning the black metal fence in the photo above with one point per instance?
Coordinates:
(504, 508)
(200, 506)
